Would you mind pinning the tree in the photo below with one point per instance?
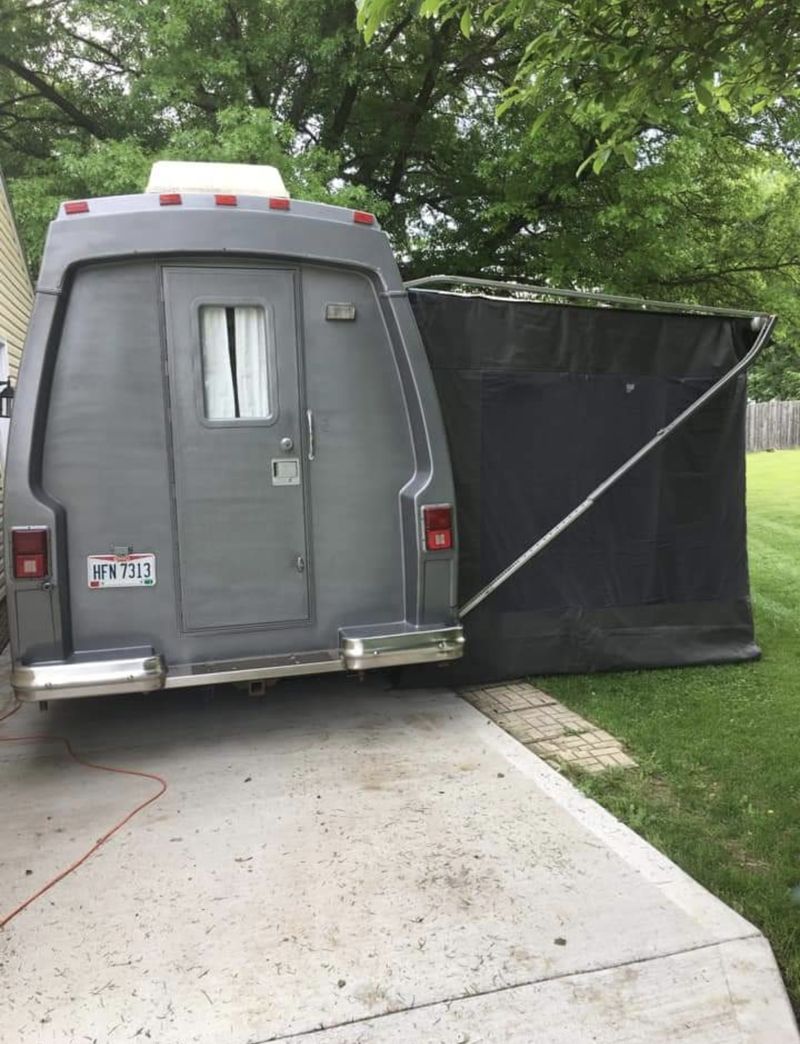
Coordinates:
(701, 206)
(623, 66)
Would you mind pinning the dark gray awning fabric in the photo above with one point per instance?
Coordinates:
(540, 403)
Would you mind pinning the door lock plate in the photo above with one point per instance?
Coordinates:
(286, 471)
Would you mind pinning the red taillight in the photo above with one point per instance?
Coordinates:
(76, 206)
(438, 524)
(225, 201)
(29, 549)
(170, 199)
(361, 217)
(279, 203)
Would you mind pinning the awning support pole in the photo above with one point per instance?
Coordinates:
(765, 326)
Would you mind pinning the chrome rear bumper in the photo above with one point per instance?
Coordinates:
(359, 649)
(51, 681)
(376, 647)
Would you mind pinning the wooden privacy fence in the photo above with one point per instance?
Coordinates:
(773, 425)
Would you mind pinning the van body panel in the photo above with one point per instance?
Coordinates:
(363, 455)
(34, 622)
(110, 448)
(127, 226)
(105, 453)
(432, 482)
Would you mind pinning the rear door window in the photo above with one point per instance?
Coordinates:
(236, 352)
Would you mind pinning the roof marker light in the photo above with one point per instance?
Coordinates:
(170, 199)
(225, 201)
(279, 203)
(361, 217)
(76, 206)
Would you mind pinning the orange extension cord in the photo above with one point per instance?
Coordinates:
(162, 786)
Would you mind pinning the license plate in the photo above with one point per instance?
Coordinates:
(134, 570)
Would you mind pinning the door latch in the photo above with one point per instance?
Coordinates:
(300, 563)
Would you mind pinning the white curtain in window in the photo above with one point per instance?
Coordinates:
(217, 378)
(251, 362)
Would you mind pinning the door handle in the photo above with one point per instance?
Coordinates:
(310, 423)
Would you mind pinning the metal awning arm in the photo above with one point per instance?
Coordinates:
(576, 295)
(765, 327)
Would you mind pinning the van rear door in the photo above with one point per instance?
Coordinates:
(236, 441)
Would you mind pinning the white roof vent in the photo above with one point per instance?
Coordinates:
(244, 179)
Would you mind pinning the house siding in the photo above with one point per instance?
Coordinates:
(16, 301)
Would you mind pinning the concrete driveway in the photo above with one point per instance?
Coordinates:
(343, 863)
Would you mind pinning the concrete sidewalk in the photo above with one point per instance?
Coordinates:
(342, 863)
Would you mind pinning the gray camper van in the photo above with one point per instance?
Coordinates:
(226, 459)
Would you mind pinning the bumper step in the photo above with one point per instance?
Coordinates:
(360, 649)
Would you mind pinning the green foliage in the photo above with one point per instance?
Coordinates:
(622, 65)
(637, 64)
(669, 202)
(778, 374)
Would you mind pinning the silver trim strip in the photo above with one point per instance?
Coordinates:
(323, 661)
(55, 681)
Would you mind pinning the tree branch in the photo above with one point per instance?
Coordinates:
(333, 134)
(418, 110)
(720, 273)
(393, 34)
(238, 36)
(46, 90)
(28, 150)
(87, 42)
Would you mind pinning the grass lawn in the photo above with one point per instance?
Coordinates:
(718, 789)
